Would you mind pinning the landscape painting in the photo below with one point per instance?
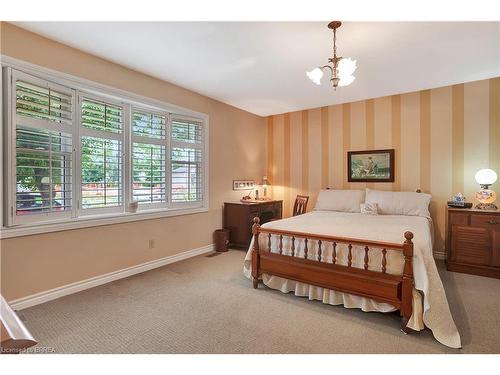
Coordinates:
(371, 166)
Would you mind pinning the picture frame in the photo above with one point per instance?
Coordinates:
(370, 166)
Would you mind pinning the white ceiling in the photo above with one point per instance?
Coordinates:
(260, 66)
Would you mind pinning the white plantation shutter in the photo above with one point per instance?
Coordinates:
(102, 116)
(187, 161)
(43, 133)
(150, 125)
(43, 171)
(101, 155)
(149, 147)
(187, 131)
(43, 103)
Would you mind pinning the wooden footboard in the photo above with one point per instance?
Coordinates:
(380, 286)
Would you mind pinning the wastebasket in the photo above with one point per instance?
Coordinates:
(221, 240)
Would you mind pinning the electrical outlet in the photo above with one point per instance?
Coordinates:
(151, 244)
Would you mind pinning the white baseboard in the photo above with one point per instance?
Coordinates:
(439, 255)
(49, 295)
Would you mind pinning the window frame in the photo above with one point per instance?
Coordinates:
(128, 100)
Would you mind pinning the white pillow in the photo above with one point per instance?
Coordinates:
(340, 200)
(399, 202)
(369, 208)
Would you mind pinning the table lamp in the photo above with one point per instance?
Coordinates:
(265, 184)
(485, 196)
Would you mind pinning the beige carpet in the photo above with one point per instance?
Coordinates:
(206, 305)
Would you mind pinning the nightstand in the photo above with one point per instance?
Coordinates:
(473, 241)
(238, 218)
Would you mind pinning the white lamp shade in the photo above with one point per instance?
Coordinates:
(347, 67)
(345, 81)
(315, 75)
(486, 177)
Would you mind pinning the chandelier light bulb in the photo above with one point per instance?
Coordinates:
(315, 75)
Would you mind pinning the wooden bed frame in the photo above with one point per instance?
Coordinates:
(380, 286)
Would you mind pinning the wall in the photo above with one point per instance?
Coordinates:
(441, 137)
(37, 263)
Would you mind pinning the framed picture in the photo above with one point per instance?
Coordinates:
(370, 166)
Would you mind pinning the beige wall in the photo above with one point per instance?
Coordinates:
(441, 136)
(237, 150)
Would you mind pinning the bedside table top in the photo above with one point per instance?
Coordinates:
(474, 210)
(254, 202)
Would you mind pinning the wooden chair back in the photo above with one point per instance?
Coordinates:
(300, 205)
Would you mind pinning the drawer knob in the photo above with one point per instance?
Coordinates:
(493, 222)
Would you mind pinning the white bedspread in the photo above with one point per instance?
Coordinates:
(433, 311)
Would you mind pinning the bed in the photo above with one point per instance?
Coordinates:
(338, 255)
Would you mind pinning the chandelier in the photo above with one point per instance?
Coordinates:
(341, 68)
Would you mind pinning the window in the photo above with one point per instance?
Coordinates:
(43, 171)
(186, 161)
(74, 153)
(101, 155)
(148, 158)
(43, 150)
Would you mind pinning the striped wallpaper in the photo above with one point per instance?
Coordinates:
(441, 136)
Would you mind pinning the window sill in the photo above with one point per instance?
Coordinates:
(93, 221)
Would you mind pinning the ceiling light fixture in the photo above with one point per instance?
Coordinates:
(341, 68)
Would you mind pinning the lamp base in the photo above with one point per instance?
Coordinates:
(486, 206)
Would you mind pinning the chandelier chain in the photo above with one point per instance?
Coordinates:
(335, 43)
(335, 61)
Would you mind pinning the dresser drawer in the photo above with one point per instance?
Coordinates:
(267, 206)
(256, 210)
(488, 221)
(459, 219)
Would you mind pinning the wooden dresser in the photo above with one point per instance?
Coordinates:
(238, 218)
(473, 241)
